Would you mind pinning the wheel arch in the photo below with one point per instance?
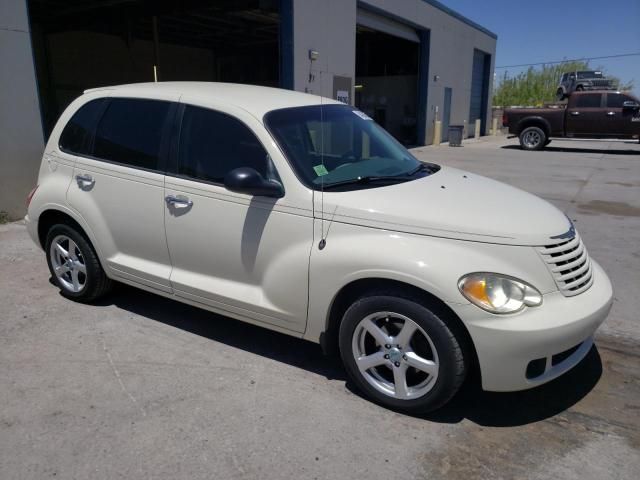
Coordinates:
(539, 122)
(50, 217)
(376, 285)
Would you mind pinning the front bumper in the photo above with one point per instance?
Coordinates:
(557, 334)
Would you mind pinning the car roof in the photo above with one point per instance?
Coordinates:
(254, 99)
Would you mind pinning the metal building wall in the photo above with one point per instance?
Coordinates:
(21, 138)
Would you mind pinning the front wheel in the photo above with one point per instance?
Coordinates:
(400, 354)
(533, 138)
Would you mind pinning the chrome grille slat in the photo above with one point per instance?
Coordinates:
(567, 256)
(566, 266)
(575, 273)
(563, 247)
(569, 264)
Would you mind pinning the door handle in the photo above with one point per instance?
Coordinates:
(85, 181)
(178, 202)
(575, 114)
(611, 114)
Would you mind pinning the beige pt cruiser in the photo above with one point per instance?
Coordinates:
(302, 215)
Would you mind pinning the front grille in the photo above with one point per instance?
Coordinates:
(569, 264)
(600, 83)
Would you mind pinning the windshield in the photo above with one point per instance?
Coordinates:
(336, 145)
(589, 74)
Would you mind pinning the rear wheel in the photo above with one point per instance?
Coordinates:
(533, 138)
(579, 88)
(400, 354)
(74, 265)
(560, 94)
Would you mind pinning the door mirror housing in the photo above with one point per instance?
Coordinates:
(247, 180)
(630, 104)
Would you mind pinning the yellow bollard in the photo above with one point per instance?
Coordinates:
(494, 127)
(437, 133)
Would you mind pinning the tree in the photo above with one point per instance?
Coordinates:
(537, 86)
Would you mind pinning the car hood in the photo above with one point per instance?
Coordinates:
(450, 203)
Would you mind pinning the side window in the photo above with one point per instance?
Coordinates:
(77, 132)
(588, 101)
(213, 143)
(130, 132)
(615, 100)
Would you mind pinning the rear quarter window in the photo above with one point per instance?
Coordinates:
(76, 136)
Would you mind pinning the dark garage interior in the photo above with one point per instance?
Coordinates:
(387, 81)
(85, 44)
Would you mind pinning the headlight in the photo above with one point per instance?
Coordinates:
(497, 293)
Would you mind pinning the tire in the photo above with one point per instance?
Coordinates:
(579, 88)
(432, 346)
(560, 94)
(533, 138)
(74, 265)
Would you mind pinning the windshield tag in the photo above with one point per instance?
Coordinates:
(362, 115)
(320, 170)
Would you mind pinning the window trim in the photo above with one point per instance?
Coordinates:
(163, 153)
(174, 162)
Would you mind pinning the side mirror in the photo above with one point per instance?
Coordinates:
(630, 104)
(248, 180)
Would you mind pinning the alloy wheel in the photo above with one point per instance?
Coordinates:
(68, 264)
(395, 355)
(531, 139)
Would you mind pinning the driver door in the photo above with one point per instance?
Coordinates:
(244, 256)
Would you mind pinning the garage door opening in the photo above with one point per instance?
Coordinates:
(387, 80)
(479, 91)
(85, 44)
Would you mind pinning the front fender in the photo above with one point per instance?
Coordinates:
(432, 264)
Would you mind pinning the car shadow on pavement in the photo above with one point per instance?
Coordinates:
(250, 338)
(472, 403)
(554, 149)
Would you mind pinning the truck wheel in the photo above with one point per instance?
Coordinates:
(400, 354)
(560, 94)
(533, 138)
(579, 88)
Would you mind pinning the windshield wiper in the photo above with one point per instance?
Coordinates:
(403, 177)
(365, 180)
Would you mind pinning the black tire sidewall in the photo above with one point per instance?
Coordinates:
(94, 270)
(540, 145)
(447, 347)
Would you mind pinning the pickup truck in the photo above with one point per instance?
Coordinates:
(587, 114)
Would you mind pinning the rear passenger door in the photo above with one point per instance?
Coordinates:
(585, 116)
(245, 256)
(118, 188)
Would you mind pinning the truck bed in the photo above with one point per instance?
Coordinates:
(553, 115)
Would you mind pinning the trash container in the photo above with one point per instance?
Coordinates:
(455, 135)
